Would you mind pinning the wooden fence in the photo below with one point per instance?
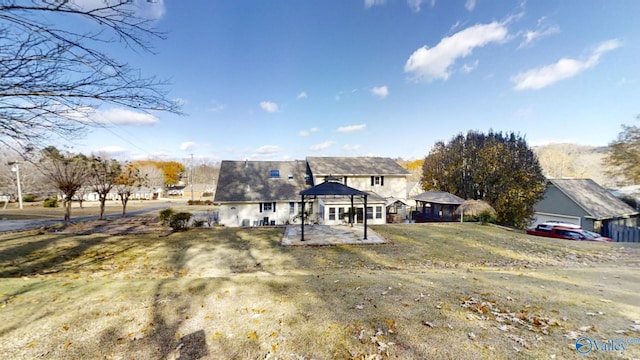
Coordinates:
(621, 233)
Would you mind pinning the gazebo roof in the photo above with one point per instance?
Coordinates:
(439, 197)
(331, 187)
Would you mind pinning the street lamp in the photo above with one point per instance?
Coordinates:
(16, 169)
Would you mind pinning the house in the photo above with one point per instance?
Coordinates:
(380, 177)
(583, 202)
(252, 193)
(199, 191)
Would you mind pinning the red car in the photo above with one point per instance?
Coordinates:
(566, 231)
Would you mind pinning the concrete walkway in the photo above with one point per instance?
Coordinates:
(318, 235)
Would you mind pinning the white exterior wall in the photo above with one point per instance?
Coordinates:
(346, 205)
(232, 215)
(395, 186)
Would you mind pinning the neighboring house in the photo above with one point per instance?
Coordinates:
(199, 191)
(583, 202)
(254, 193)
(146, 193)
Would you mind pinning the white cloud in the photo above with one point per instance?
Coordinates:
(565, 68)
(189, 145)
(117, 116)
(113, 150)
(308, 132)
(428, 64)
(269, 106)
(543, 29)
(470, 5)
(322, 146)
(350, 148)
(370, 3)
(267, 150)
(380, 91)
(217, 108)
(415, 5)
(151, 10)
(467, 68)
(302, 95)
(351, 128)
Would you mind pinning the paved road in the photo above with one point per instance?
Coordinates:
(22, 225)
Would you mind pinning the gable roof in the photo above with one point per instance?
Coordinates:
(253, 181)
(438, 197)
(354, 166)
(593, 198)
(332, 188)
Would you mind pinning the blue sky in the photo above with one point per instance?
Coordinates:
(276, 80)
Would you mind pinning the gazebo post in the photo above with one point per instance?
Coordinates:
(351, 212)
(365, 217)
(302, 218)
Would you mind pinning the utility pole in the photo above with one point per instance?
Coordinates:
(192, 178)
(15, 168)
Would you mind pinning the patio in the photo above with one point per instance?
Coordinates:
(323, 235)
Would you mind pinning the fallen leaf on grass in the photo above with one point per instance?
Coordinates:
(427, 323)
(585, 328)
(252, 335)
(471, 336)
(519, 340)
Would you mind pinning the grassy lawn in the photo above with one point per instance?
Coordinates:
(446, 291)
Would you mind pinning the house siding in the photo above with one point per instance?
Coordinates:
(249, 214)
(556, 202)
(394, 186)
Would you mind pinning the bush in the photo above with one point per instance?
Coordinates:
(28, 198)
(487, 217)
(165, 216)
(50, 203)
(199, 223)
(180, 221)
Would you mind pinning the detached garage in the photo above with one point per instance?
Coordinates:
(582, 202)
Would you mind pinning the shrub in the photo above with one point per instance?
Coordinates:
(487, 217)
(180, 221)
(198, 223)
(28, 198)
(50, 203)
(165, 216)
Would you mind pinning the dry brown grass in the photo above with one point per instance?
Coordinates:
(439, 291)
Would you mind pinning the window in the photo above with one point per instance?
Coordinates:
(332, 213)
(290, 177)
(377, 180)
(341, 213)
(292, 208)
(378, 212)
(274, 173)
(268, 207)
(369, 212)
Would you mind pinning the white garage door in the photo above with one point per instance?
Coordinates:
(539, 218)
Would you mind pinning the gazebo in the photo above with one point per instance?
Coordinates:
(436, 206)
(331, 186)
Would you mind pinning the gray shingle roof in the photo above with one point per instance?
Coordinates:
(251, 181)
(438, 197)
(593, 198)
(352, 166)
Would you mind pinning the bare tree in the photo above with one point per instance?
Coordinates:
(67, 172)
(104, 174)
(129, 180)
(53, 76)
